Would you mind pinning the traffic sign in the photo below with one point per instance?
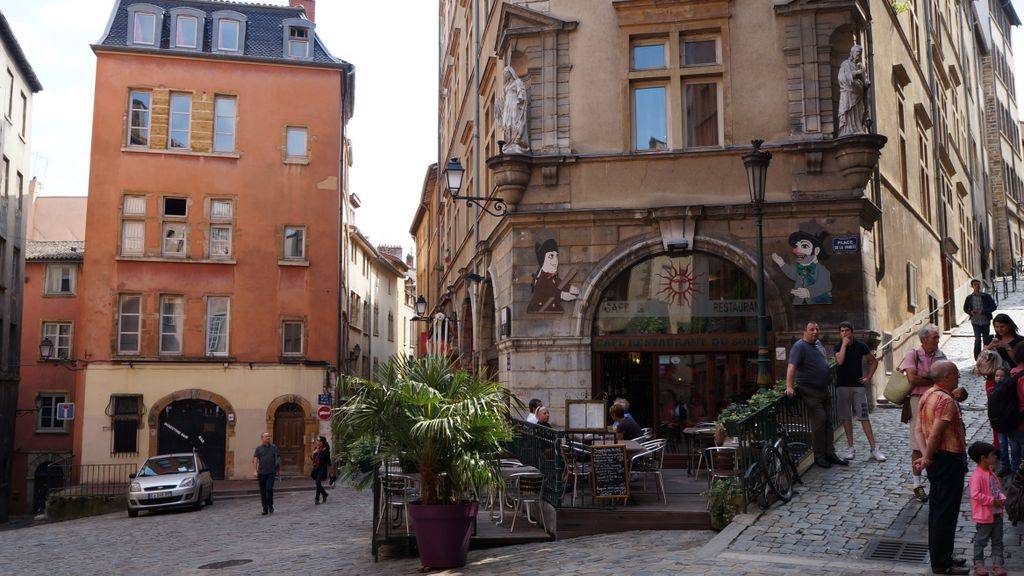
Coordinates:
(324, 399)
(324, 412)
(65, 411)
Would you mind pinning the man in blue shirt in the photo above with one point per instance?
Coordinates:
(808, 370)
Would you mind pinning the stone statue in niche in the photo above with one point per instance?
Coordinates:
(853, 85)
(510, 113)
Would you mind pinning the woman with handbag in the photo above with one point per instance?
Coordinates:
(321, 467)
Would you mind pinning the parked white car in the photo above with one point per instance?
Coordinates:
(170, 481)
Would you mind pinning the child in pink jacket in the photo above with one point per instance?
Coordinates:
(986, 508)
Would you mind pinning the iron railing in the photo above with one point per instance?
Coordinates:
(763, 426)
(90, 479)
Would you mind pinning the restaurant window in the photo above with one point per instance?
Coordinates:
(669, 294)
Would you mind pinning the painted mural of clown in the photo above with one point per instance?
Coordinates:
(812, 282)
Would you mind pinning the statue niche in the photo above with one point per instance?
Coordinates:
(511, 110)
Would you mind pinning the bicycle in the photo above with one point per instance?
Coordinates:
(788, 448)
(769, 477)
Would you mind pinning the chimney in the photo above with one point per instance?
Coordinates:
(308, 5)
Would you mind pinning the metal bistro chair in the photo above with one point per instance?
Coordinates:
(577, 466)
(722, 462)
(705, 439)
(527, 488)
(649, 463)
(396, 490)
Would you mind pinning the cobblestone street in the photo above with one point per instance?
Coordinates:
(824, 529)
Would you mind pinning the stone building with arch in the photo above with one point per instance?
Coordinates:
(626, 263)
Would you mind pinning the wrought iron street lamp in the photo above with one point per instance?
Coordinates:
(453, 173)
(756, 163)
(48, 352)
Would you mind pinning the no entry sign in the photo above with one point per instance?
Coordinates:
(324, 412)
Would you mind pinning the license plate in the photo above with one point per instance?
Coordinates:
(155, 495)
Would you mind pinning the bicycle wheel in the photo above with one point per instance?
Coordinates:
(756, 480)
(779, 477)
(789, 452)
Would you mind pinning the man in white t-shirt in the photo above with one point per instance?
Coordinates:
(534, 404)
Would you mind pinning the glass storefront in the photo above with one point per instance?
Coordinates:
(676, 336)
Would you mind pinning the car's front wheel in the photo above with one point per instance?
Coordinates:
(198, 505)
(133, 513)
(209, 498)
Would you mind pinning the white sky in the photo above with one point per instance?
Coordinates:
(394, 131)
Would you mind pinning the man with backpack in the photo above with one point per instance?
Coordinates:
(917, 365)
(1004, 406)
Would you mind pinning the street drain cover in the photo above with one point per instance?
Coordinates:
(896, 551)
(224, 564)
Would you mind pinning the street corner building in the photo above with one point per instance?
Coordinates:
(210, 289)
(589, 230)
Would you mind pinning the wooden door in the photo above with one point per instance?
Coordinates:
(289, 432)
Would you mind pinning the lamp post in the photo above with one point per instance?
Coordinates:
(756, 163)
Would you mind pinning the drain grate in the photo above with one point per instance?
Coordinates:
(896, 551)
(224, 564)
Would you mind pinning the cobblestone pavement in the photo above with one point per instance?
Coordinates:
(822, 531)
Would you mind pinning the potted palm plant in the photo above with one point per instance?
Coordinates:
(451, 424)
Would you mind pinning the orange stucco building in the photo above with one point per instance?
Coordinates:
(210, 312)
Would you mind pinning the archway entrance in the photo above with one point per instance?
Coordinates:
(47, 477)
(289, 432)
(676, 335)
(194, 425)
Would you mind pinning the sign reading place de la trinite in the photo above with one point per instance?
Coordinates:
(678, 342)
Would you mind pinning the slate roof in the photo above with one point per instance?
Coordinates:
(18, 54)
(54, 250)
(264, 36)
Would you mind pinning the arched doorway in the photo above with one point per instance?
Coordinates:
(289, 433)
(676, 335)
(194, 425)
(46, 478)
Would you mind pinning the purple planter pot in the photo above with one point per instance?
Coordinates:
(443, 532)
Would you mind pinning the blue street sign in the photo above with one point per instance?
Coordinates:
(65, 411)
(846, 244)
(324, 399)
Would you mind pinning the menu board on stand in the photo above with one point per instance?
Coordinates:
(609, 476)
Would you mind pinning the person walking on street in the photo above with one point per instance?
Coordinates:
(321, 458)
(808, 369)
(987, 500)
(266, 463)
(851, 398)
(941, 435)
(917, 365)
(979, 306)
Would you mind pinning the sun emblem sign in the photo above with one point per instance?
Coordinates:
(678, 284)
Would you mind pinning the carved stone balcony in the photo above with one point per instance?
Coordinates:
(857, 157)
(511, 175)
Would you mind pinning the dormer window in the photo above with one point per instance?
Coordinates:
(144, 24)
(229, 32)
(298, 42)
(298, 37)
(229, 35)
(187, 28)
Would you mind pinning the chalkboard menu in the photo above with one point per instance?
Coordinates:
(608, 478)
